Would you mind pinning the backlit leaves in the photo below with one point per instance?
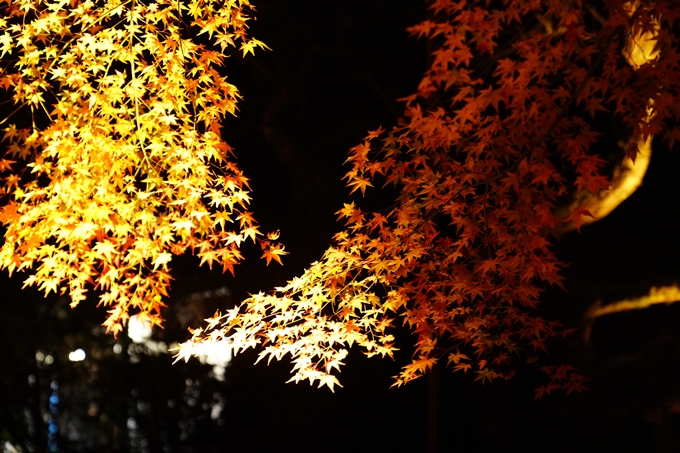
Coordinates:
(125, 166)
(498, 130)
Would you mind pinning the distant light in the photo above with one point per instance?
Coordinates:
(218, 372)
(77, 356)
(39, 356)
(139, 330)
(117, 348)
(216, 410)
(49, 359)
(131, 423)
(9, 448)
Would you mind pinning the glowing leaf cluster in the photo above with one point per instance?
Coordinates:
(122, 163)
(498, 131)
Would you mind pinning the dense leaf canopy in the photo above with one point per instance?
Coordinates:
(497, 134)
(132, 170)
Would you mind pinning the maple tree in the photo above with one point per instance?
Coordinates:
(497, 134)
(132, 169)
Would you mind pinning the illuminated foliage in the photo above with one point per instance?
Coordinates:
(130, 168)
(498, 132)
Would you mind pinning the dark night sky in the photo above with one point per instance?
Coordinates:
(334, 72)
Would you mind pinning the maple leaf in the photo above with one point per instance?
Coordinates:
(540, 391)
(274, 252)
(575, 217)
(486, 375)
(162, 260)
(359, 183)
(347, 210)
(457, 357)
(249, 46)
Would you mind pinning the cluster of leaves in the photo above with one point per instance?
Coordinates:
(122, 163)
(497, 133)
